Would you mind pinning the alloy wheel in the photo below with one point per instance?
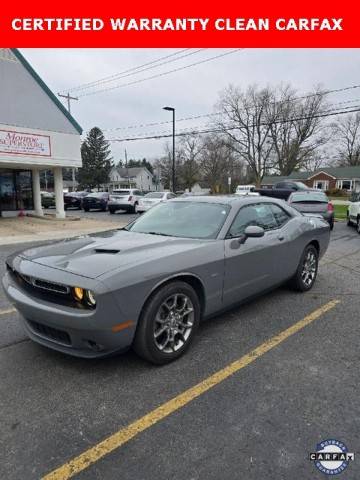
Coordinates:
(174, 322)
(309, 268)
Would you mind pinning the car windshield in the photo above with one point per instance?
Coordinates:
(154, 195)
(183, 219)
(313, 197)
(97, 195)
(301, 186)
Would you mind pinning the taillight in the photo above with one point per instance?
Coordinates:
(330, 207)
(130, 198)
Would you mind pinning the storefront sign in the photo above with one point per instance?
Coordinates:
(20, 143)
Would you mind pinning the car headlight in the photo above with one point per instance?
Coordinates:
(90, 298)
(78, 293)
(83, 296)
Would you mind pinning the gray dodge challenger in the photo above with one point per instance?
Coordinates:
(149, 284)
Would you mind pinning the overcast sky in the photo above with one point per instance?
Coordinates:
(192, 91)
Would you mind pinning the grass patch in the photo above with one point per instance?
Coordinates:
(340, 212)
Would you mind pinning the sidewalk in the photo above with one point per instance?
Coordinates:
(28, 229)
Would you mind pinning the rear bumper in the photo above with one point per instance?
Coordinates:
(120, 206)
(143, 208)
(81, 333)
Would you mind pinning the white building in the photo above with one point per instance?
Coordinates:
(36, 132)
(134, 177)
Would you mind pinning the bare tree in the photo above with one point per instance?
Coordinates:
(297, 130)
(246, 124)
(217, 162)
(189, 150)
(347, 134)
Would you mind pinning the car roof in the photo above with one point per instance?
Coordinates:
(233, 200)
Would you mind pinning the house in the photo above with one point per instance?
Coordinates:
(36, 133)
(199, 188)
(344, 178)
(133, 177)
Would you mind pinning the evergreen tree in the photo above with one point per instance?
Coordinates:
(96, 159)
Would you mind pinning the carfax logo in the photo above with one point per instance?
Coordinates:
(331, 457)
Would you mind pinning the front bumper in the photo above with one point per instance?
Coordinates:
(78, 332)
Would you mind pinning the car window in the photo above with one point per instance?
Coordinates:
(171, 195)
(280, 215)
(259, 215)
(185, 219)
(309, 197)
(154, 195)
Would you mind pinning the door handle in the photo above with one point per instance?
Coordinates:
(281, 237)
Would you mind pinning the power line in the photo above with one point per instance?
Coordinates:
(190, 129)
(141, 80)
(220, 130)
(132, 69)
(195, 117)
(132, 73)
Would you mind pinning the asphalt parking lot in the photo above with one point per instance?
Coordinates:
(120, 215)
(258, 419)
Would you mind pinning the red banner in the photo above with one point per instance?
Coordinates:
(180, 24)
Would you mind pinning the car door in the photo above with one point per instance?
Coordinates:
(354, 207)
(252, 266)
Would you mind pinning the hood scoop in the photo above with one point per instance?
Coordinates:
(109, 251)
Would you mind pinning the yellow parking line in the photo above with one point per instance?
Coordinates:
(8, 310)
(111, 443)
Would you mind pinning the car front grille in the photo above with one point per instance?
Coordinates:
(50, 286)
(51, 333)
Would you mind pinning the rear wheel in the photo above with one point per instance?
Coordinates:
(306, 272)
(168, 323)
(86, 209)
(358, 225)
(111, 210)
(331, 224)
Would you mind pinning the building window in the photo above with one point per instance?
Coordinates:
(321, 184)
(344, 184)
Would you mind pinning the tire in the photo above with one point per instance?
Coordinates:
(358, 225)
(332, 224)
(86, 209)
(112, 211)
(161, 315)
(133, 209)
(300, 282)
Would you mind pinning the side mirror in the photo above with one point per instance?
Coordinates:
(253, 231)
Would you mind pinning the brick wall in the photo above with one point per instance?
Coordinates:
(321, 177)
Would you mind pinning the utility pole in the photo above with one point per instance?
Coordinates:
(127, 168)
(69, 98)
(172, 109)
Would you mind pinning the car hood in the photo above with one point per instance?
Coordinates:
(95, 255)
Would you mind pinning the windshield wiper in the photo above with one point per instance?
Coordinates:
(157, 233)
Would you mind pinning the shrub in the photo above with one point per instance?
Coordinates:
(337, 192)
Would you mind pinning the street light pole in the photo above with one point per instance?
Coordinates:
(172, 109)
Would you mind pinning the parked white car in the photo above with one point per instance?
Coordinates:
(126, 199)
(353, 213)
(246, 190)
(153, 198)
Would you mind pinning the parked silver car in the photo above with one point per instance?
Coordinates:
(126, 199)
(147, 285)
(153, 198)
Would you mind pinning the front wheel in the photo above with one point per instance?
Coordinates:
(168, 323)
(306, 272)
